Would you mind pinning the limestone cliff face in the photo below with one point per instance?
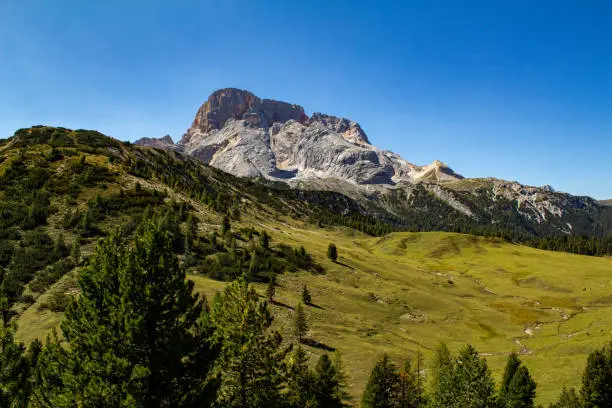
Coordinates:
(239, 133)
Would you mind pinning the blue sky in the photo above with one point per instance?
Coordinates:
(516, 89)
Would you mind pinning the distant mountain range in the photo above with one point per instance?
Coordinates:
(239, 133)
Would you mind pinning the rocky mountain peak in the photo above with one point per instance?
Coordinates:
(231, 103)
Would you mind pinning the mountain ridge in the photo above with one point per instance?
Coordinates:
(241, 134)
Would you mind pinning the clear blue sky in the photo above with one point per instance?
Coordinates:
(517, 89)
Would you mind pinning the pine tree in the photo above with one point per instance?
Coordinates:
(596, 391)
(137, 334)
(306, 298)
(521, 391)
(382, 386)
(226, 226)
(264, 240)
(191, 232)
(301, 381)
(472, 381)
(75, 252)
(517, 389)
(250, 364)
(442, 388)
(271, 291)
(567, 399)
(332, 252)
(328, 392)
(408, 395)
(300, 325)
(14, 369)
(512, 364)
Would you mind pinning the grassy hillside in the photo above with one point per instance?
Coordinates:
(396, 293)
(408, 291)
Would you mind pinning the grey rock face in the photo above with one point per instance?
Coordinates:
(239, 133)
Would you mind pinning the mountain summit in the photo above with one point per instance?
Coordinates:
(239, 133)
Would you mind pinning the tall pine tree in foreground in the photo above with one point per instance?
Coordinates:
(441, 384)
(472, 381)
(250, 365)
(596, 391)
(382, 386)
(517, 388)
(137, 336)
(300, 380)
(15, 367)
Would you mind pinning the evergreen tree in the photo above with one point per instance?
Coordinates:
(137, 334)
(14, 369)
(250, 365)
(301, 381)
(328, 392)
(332, 252)
(306, 298)
(75, 252)
(226, 226)
(521, 391)
(408, 395)
(512, 364)
(191, 232)
(596, 391)
(568, 399)
(442, 388)
(517, 389)
(472, 381)
(264, 240)
(382, 387)
(271, 291)
(300, 324)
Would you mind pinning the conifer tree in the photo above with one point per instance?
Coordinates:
(226, 226)
(14, 369)
(301, 381)
(512, 364)
(75, 252)
(264, 240)
(472, 381)
(567, 399)
(521, 391)
(596, 391)
(332, 252)
(250, 365)
(408, 394)
(328, 391)
(306, 298)
(271, 291)
(300, 324)
(441, 385)
(517, 389)
(382, 386)
(137, 334)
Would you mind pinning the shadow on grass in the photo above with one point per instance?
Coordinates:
(318, 344)
(315, 306)
(281, 304)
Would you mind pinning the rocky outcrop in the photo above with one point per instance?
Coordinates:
(237, 132)
(165, 142)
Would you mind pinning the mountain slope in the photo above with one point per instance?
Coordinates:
(243, 135)
(390, 293)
